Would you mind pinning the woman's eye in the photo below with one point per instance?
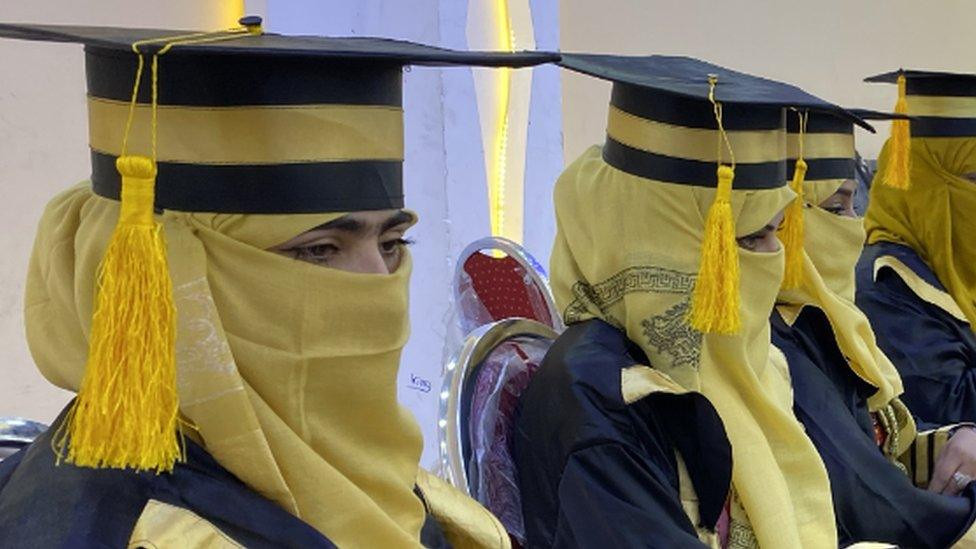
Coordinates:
(395, 245)
(749, 242)
(318, 253)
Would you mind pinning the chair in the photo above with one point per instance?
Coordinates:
(16, 433)
(496, 279)
(484, 382)
(506, 309)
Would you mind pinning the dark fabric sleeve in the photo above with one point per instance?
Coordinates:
(594, 471)
(432, 535)
(934, 352)
(612, 496)
(873, 499)
(43, 505)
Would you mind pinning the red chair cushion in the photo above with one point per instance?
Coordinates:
(503, 287)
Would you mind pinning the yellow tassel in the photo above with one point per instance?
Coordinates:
(898, 168)
(715, 300)
(792, 232)
(125, 415)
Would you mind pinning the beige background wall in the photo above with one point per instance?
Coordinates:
(43, 149)
(824, 46)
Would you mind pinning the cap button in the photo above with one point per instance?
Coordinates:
(251, 22)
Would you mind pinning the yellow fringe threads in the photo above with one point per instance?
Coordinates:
(792, 231)
(715, 299)
(125, 415)
(898, 168)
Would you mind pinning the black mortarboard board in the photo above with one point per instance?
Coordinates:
(672, 93)
(930, 82)
(688, 77)
(260, 123)
(939, 103)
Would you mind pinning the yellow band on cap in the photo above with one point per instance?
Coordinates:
(942, 106)
(259, 135)
(821, 145)
(756, 146)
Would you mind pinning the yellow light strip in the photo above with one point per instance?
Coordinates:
(497, 179)
(233, 11)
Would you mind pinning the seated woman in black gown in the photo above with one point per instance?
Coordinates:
(845, 389)
(916, 280)
(662, 417)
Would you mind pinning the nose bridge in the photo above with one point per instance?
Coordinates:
(367, 258)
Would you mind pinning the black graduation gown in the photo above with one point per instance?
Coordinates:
(44, 505)
(873, 499)
(934, 351)
(597, 472)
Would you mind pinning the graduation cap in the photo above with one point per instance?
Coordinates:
(941, 104)
(827, 142)
(233, 121)
(256, 123)
(685, 121)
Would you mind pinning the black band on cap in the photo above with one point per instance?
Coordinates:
(692, 113)
(819, 169)
(819, 124)
(239, 80)
(265, 189)
(766, 175)
(948, 85)
(934, 126)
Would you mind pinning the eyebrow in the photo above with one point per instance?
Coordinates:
(349, 224)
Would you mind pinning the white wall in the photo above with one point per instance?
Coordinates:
(825, 46)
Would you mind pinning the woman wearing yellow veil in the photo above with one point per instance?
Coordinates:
(231, 309)
(845, 390)
(661, 417)
(917, 278)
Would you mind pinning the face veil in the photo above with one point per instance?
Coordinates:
(934, 216)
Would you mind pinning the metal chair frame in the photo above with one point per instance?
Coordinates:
(455, 399)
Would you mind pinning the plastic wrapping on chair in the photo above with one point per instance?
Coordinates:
(16, 433)
(500, 381)
(470, 308)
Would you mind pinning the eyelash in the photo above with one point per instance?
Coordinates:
(308, 253)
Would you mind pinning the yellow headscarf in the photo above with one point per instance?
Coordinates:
(286, 369)
(934, 216)
(832, 245)
(627, 252)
